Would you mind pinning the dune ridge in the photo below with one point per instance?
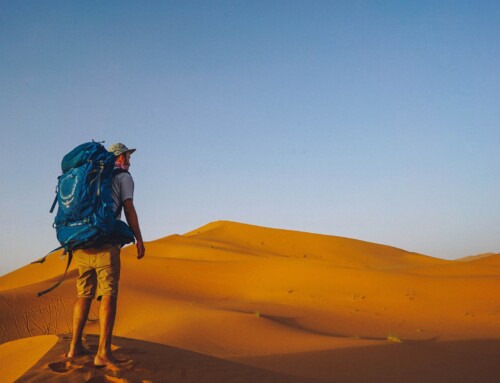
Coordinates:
(254, 295)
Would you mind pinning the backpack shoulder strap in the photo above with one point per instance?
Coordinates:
(117, 171)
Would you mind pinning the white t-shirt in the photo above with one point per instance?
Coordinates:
(122, 190)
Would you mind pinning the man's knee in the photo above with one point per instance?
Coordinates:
(108, 301)
(83, 301)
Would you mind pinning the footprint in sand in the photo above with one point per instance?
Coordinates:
(121, 365)
(106, 379)
(60, 367)
(111, 379)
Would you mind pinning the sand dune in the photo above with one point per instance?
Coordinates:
(476, 257)
(298, 304)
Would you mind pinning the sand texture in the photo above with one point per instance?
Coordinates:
(231, 302)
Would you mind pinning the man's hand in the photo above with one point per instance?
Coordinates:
(141, 250)
(133, 221)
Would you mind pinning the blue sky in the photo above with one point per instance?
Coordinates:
(376, 120)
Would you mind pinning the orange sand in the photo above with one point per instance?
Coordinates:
(304, 307)
(18, 356)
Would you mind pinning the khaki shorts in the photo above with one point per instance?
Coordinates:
(99, 271)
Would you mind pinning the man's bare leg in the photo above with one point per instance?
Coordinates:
(80, 314)
(107, 314)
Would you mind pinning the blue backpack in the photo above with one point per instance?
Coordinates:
(85, 217)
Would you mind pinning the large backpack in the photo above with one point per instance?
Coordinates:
(85, 217)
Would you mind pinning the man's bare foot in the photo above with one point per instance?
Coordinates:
(78, 350)
(101, 361)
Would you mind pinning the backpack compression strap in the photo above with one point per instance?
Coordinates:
(69, 251)
(70, 257)
(53, 205)
(42, 260)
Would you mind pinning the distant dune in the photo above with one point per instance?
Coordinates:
(477, 256)
(232, 302)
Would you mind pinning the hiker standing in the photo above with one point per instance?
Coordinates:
(99, 266)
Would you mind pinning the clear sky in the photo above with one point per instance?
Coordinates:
(375, 120)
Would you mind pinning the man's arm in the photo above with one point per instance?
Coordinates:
(133, 221)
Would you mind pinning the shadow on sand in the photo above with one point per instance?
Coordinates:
(465, 361)
(147, 362)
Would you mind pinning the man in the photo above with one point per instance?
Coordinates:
(99, 268)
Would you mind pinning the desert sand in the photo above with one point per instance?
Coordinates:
(232, 302)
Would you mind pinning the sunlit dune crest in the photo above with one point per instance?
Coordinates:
(289, 305)
(488, 256)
